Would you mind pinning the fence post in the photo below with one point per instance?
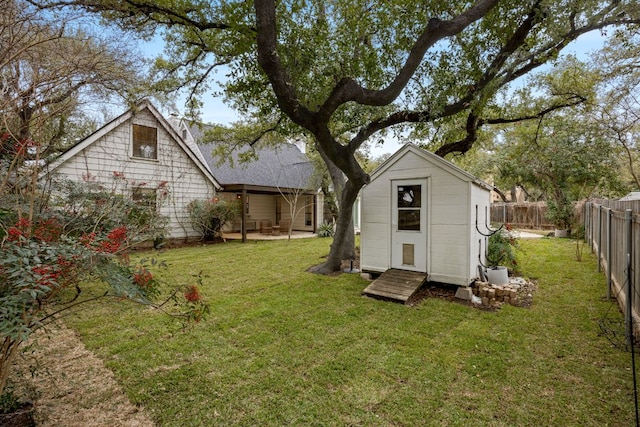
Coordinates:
(599, 237)
(609, 250)
(587, 223)
(591, 231)
(628, 232)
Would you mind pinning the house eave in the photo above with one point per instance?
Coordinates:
(261, 189)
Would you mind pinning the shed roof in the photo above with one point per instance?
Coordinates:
(634, 195)
(432, 158)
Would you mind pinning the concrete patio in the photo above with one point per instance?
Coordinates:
(260, 236)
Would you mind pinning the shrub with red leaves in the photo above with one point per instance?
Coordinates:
(192, 294)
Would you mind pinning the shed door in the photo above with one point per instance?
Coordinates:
(409, 224)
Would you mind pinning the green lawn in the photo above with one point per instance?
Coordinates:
(285, 347)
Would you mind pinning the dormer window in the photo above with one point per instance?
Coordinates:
(145, 142)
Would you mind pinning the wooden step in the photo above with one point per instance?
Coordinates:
(394, 284)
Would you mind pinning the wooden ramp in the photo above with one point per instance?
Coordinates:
(396, 284)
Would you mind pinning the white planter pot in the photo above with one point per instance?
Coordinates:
(561, 233)
(498, 275)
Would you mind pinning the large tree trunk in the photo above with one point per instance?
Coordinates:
(344, 242)
(343, 246)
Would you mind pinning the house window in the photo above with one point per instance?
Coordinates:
(308, 211)
(145, 142)
(409, 205)
(278, 210)
(144, 197)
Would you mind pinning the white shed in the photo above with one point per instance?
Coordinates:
(422, 213)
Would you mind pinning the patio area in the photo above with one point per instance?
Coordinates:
(280, 236)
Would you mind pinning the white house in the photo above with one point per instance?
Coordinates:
(422, 213)
(141, 147)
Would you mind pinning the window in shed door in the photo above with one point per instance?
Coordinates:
(409, 206)
(145, 142)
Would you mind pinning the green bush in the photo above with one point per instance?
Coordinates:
(208, 217)
(560, 214)
(501, 250)
(49, 254)
(325, 230)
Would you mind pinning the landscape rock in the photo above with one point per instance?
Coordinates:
(464, 293)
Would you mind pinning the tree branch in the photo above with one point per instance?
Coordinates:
(349, 90)
(152, 10)
(473, 124)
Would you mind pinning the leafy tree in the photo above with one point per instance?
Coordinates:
(618, 112)
(50, 66)
(343, 71)
(563, 157)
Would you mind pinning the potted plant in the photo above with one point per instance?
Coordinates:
(500, 256)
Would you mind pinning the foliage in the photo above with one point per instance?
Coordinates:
(49, 254)
(97, 206)
(44, 270)
(561, 213)
(208, 217)
(52, 64)
(562, 156)
(9, 401)
(325, 230)
(617, 112)
(501, 249)
(290, 334)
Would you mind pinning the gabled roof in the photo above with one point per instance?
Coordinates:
(432, 158)
(190, 149)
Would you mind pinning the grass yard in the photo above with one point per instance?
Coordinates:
(285, 347)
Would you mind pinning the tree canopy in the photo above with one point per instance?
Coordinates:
(50, 64)
(343, 71)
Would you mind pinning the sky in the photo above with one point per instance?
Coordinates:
(215, 111)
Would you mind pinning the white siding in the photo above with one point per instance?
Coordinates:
(262, 206)
(112, 153)
(480, 198)
(375, 232)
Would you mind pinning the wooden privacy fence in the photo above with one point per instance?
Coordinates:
(612, 229)
(531, 215)
(528, 215)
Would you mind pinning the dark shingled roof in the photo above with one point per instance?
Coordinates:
(282, 167)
